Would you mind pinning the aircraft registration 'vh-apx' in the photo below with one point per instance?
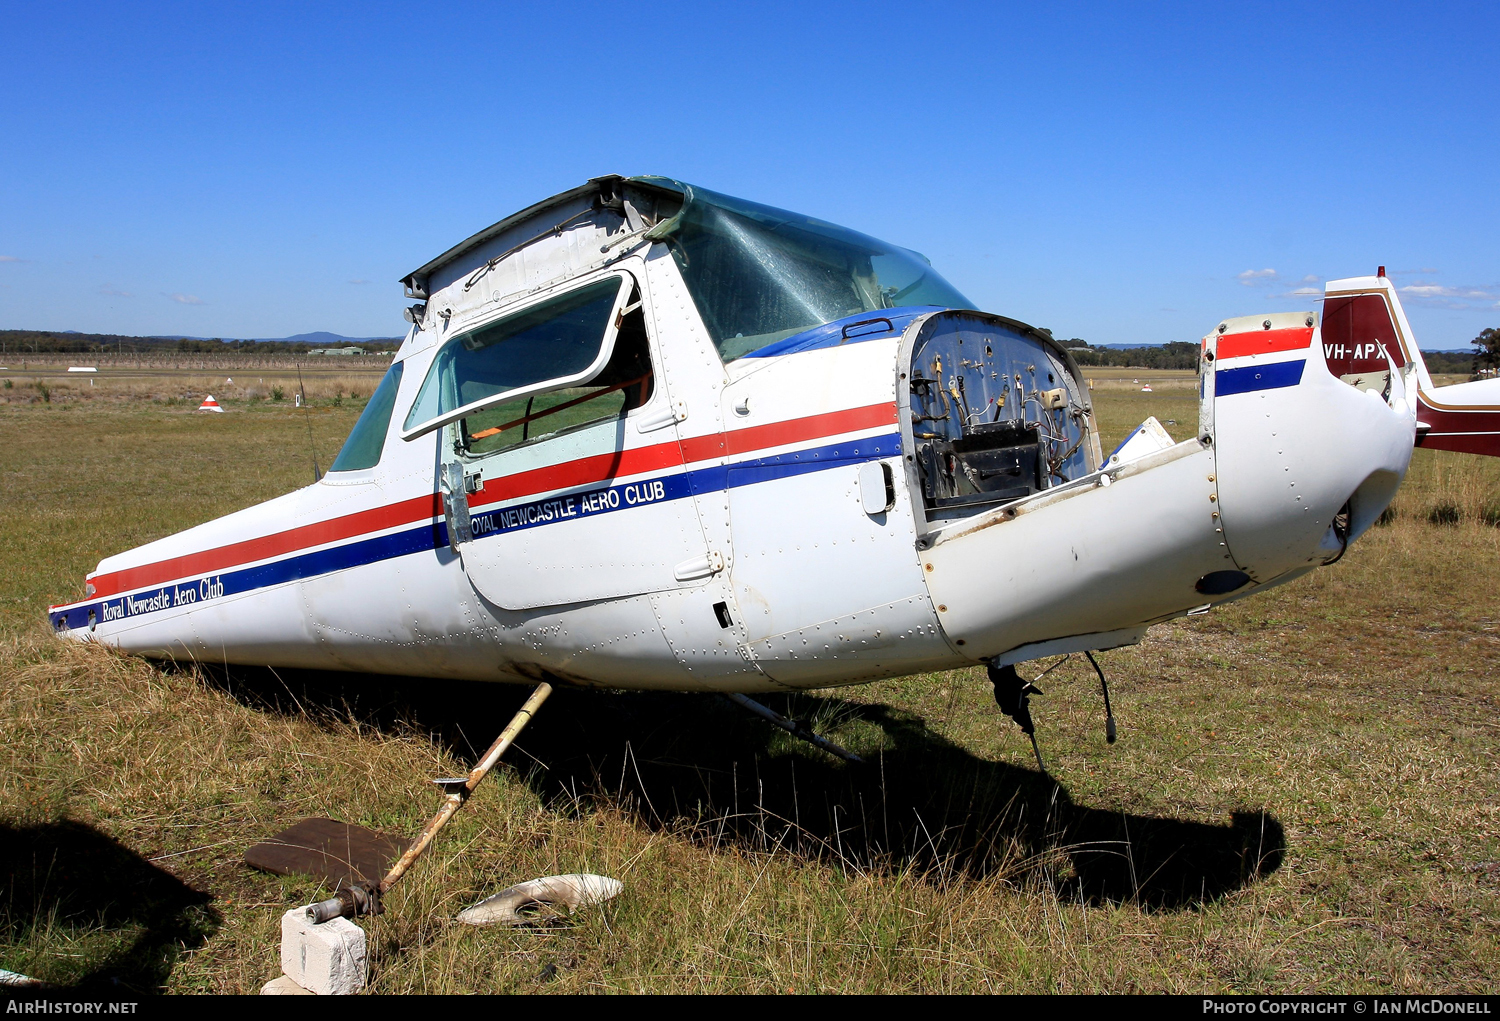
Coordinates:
(646, 436)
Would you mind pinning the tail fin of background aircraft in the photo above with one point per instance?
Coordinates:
(1363, 323)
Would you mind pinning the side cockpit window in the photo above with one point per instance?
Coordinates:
(562, 343)
(624, 384)
(362, 448)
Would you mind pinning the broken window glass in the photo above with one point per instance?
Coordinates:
(760, 274)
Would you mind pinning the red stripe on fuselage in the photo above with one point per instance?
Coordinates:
(779, 434)
(581, 472)
(588, 470)
(267, 546)
(1238, 345)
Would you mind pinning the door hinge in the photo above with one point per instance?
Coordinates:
(668, 414)
(456, 505)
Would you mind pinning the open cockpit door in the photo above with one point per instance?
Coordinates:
(561, 474)
(561, 341)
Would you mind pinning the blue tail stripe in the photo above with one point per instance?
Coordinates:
(1251, 378)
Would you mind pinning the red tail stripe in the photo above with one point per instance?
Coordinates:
(1259, 342)
(539, 480)
(266, 546)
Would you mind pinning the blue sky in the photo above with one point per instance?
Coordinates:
(1120, 173)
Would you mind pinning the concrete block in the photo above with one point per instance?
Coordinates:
(327, 959)
(282, 985)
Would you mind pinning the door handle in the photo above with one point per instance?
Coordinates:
(699, 567)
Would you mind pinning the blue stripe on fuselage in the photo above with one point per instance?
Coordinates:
(852, 329)
(198, 591)
(1250, 378)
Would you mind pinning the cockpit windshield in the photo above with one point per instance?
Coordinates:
(759, 274)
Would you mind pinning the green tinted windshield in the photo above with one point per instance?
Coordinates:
(362, 448)
(759, 274)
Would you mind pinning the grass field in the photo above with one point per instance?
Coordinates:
(1304, 797)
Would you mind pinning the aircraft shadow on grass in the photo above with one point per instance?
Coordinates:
(699, 764)
(129, 918)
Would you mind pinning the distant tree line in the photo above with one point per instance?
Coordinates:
(1450, 362)
(1180, 355)
(1174, 355)
(43, 342)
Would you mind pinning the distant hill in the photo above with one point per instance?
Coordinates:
(1174, 355)
(325, 339)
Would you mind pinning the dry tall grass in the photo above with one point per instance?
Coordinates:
(1446, 488)
(1304, 796)
(238, 390)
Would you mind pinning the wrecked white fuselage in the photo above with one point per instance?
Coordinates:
(645, 436)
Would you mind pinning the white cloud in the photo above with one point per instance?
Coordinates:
(1311, 279)
(185, 299)
(359, 281)
(114, 292)
(1442, 296)
(10, 258)
(1309, 289)
(1439, 291)
(1251, 277)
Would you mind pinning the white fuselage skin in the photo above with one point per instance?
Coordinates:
(730, 535)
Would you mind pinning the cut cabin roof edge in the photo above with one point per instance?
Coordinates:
(415, 282)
